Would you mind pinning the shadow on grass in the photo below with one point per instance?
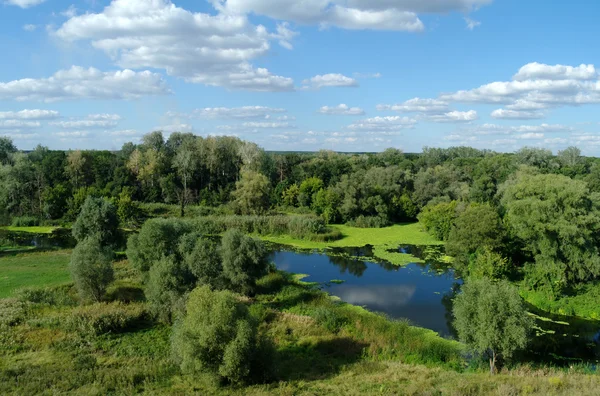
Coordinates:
(126, 294)
(316, 358)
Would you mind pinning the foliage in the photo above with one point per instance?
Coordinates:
(479, 226)
(168, 281)
(244, 261)
(103, 318)
(128, 210)
(368, 222)
(12, 311)
(203, 260)
(558, 221)
(486, 263)
(98, 220)
(217, 336)
(308, 189)
(439, 219)
(25, 221)
(91, 269)
(252, 193)
(491, 319)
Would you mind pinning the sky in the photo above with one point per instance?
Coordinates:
(344, 75)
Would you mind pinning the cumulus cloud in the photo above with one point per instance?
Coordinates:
(417, 105)
(72, 134)
(201, 48)
(245, 112)
(106, 117)
(454, 116)
(516, 114)
(29, 115)
(329, 80)
(19, 124)
(126, 132)
(84, 124)
(81, 83)
(494, 129)
(383, 124)
(171, 128)
(24, 3)
(397, 15)
(341, 109)
(535, 87)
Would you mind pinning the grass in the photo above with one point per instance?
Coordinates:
(583, 303)
(382, 240)
(33, 270)
(33, 230)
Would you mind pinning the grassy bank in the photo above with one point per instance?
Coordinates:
(33, 270)
(582, 302)
(33, 230)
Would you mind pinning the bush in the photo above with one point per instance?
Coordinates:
(244, 261)
(97, 219)
(219, 337)
(12, 311)
(102, 318)
(329, 318)
(202, 259)
(91, 269)
(368, 222)
(168, 281)
(58, 296)
(25, 221)
(438, 219)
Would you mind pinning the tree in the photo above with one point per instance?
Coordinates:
(244, 261)
(217, 336)
(477, 227)
(127, 209)
(91, 269)
(290, 195)
(491, 319)
(97, 219)
(186, 163)
(203, 260)
(557, 220)
(439, 219)
(75, 168)
(7, 148)
(308, 189)
(252, 194)
(168, 280)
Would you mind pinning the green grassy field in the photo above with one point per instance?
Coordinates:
(382, 239)
(33, 230)
(33, 270)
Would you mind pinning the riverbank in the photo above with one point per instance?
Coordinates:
(583, 303)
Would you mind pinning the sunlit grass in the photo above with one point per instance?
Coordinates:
(33, 230)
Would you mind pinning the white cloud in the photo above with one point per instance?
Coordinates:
(73, 134)
(245, 112)
(417, 105)
(494, 129)
(329, 80)
(107, 117)
(367, 75)
(80, 83)
(17, 124)
(472, 24)
(383, 124)
(517, 115)
(97, 123)
(398, 15)
(341, 109)
(29, 115)
(29, 27)
(530, 136)
(24, 3)
(454, 116)
(126, 132)
(558, 72)
(169, 129)
(70, 12)
(269, 125)
(285, 35)
(201, 48)
(535, 87)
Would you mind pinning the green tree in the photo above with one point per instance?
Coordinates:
(491, 319)
(439, 219)
(186, 163)
(308, 189)
(217, 336)
(477, 227)
(97, 219)
(168, 281)
(244, 261)
(91, 269)
(7, 148)
(203, 259)
(252, 194)
(127, 209)
(557, 220)
(290, 195)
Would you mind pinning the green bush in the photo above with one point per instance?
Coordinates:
(91, 269)
(219, 337)
(102, 318)
(368, 222)
(244, 261)
(329, 318)
(168, 281)
(25, 221)
(202, 259)
(12, 311)
(97, 219)
(438, 219)
(57, 296)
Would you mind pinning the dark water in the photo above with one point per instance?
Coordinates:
(423, 293)
(60, 238)
(415, 292)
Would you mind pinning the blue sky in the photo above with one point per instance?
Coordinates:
(347, 75)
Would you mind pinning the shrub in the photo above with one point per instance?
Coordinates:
(368, 222)
(97, 219)
(102, 318)
(244, 260)
(202, 259)
(157, 238)
(58, 296)
(25, 221)
(329, 318)
(12, 311)
(217, 336)
(168, 281)
(91, 269)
